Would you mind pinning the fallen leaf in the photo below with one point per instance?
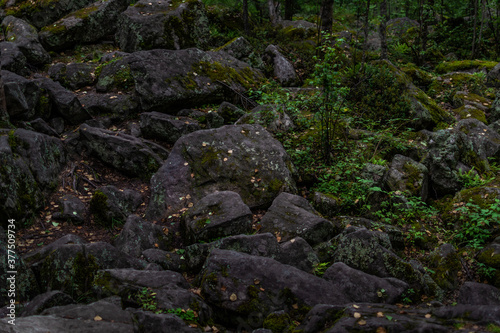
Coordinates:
(428, 315)
(295, 306)
(357, 315)
(230, 151)
(223, 288)
(381, 330)
(256, 281)
(97, 318)
(233, 297)
(355, 306)
(362, 322)
(380, 314)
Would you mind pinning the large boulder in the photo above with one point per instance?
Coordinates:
(22, 96)
(407, 176)
(43, 13)
(219, 214)
(163, 24)
(242, 284)
(112, 205)
(131, 155)
(486, 142)
(244, 159)
(283, 69)
(73, 76)
(478, 294)
(25, 36)
(168, 79)
(13, 60)
(86, 25)
(165, 127)
(20, 194)
(291, 216)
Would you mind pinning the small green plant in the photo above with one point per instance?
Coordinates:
(147, 300)
(486, 271)
(408, 295)
(472, 179)
(493, 328)
(320, 268)
(186, 315)
(474, 231)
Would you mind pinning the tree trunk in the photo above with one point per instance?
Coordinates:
(384, 17)
(245, 17)
(366, 30)
(483, 18)
(4, 115)
(274, 14)
(473, 53)
(289, 9)
(326, 15)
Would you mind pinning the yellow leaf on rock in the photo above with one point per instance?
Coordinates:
(233, 297)
(97, 318)
(362, 322)
(357, 315)
(380, 315)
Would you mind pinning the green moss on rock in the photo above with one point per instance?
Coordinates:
(453, 66)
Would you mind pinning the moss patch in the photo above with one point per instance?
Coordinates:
(453, 66)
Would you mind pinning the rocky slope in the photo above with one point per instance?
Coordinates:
(136, 210)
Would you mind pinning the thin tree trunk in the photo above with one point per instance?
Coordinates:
(483, 18)
(473, 52)
(4, 115)
(289, 9)
(245, 17)
(274, 15)
(494, 27)
(384, 17)
(366, 30)
(327, 15)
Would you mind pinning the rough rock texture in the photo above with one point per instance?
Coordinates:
(13, 59)
(159, 126)
(73, 76)
(371, 252)
(138, 235)
(168, 79)
(45, 301)
(128, 154)
(291, 216)
(445, 264)
(474, 293)
(219, 214)
(272, 117)
(86, 25)
(362, 287)
(72, 209)
(110, 204)
(64, 102)
(485, 141)
(493, 77)
(230, 113)
(163, 24)
(25, 37)
(298, 253)
(407, 176)
(283, 69)
(244, 159)
(22, 96)
(239, 48)
(260, 284)
(20, 195)
(119, 105)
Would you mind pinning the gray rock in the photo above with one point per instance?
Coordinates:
(55, 324)
(83, 26)
(219, 214)
(283, 69)
(244, 159)
(493, 77)
(74, 75)
(122, 106)
(22, 96)
(25, 36)
(155, 125)
(485, 141)
(445, 264)
(163, 25)
(230, 112)
(65, 102)
(35, 257)
(291, 216)
(264, 245)
(407, 176)
(72, 209)
(177, 78)
(326, 204)
(160, 323)
(13, 59)
(272, 117)
(46, 300)
(473, 293)
(39, 125)
(362, 287)
(20, 195)
(298, 253)
(110, 204)
(169, 261)
(246, 284)
(138, 235)
(128, 154)
(239, 48)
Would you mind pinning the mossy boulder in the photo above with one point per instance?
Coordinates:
(371, 252)
(219, 214)
(290, 216)
(111, 205)
(408, 177)
(490, 255)
(462, 98)
(464, 65)
(164, 24)
(244, 159)
(271, 116)
(24, 284)
(486, 142)
(420, 78)
(493, 77)
(444, 265)
(469, 111)
(85, 25)
(25, 36)
(43, 13)
(133, 156)
(73, 76)
(168, 80)
(20, 194)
